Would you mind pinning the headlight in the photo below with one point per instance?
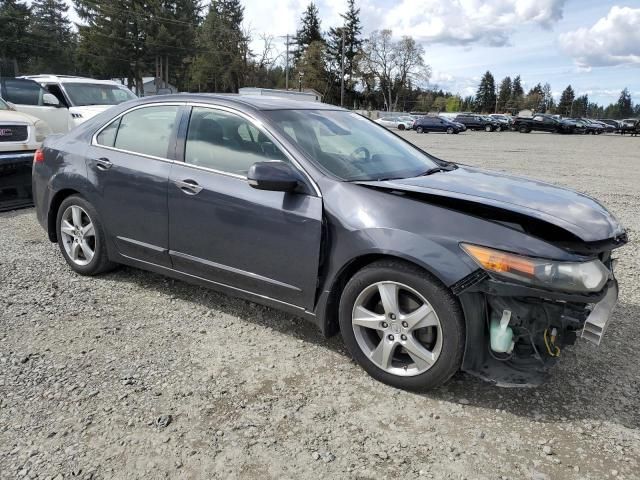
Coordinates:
(588, 276)
(42, 130)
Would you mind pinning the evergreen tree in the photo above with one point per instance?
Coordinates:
(517, 95)
(171, 40)
(311, 66)
(504, 94)
(51, 30)
(352, 45)
(112, 40)
(486, 94)
(223, 52)
(580, 106)
(625, 106)
(566, 102)
(16, 43)
(309, 30)
(535, 99)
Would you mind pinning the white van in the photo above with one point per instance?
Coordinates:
(84, 97)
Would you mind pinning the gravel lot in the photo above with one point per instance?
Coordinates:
(132, 375)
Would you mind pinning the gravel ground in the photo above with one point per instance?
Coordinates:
(133, 375)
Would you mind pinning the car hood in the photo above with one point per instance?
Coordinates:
(579, 214)
(8, 116)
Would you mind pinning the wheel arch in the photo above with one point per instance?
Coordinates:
(52, 213)
(328, 318)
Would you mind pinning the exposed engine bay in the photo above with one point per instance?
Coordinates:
(524, 335)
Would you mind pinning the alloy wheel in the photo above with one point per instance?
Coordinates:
(397, 328)
(78, 235)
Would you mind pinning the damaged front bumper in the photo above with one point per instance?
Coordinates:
(542, 321)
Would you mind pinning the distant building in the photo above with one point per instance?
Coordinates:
(307, 95)
(152, 86)
(525, 113)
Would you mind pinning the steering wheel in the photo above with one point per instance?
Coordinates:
(365, 150)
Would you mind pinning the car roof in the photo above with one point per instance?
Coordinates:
(256, 102)
(68, 79)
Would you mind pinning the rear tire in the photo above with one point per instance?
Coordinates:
(400, 127)
(415, 342)
(419, 130)
(488, 128)
(81, 237)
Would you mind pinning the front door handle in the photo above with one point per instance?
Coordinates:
(188, 186)
(103, 164)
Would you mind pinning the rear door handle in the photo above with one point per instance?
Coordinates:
(103, 164)
(188, 186)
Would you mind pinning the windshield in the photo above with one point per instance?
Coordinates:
(3, 105)
(349, 146)
(82, 94)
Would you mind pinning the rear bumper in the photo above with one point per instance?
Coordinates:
(15, 180)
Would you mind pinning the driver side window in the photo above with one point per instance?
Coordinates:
(226, 142)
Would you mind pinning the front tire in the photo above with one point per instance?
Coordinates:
(419, 130)
(488, 128)
(81, 237)
(400, 127)
(450, 130)
(524, 129)
(402, 326)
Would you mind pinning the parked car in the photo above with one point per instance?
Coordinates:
(614, 124)
(593, 127)
(630, 126)
(408, 118)
(29, 97)
(84, 97)
(436, 124)
(607, 127)
(20, 136)
(395, 122)
(505, 121)
(425, 267)
(572, 125)
(539, 123)
(477, 122)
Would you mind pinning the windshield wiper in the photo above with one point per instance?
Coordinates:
(440, 168)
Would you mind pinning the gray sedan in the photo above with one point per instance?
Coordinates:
(425, 267)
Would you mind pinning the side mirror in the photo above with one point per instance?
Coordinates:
(50, 100)
(11, 106)
(276, 176)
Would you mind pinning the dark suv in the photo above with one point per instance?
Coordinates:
(436, 124)
(477, 122)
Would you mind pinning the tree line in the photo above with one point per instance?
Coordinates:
(510, 97)
(208, 49)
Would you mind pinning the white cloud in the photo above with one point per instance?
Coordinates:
(612, 40)
(464, 22)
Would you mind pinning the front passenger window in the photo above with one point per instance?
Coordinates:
(226, 142)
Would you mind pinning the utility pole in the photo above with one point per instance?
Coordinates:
(289, 40)
(286, 68)
(342, 71)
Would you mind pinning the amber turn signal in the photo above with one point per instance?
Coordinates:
(500, 262)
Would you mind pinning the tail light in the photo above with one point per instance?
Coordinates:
(38, 157)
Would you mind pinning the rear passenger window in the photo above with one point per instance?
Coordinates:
(107, 136)
(146, 130)
(226, 142)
